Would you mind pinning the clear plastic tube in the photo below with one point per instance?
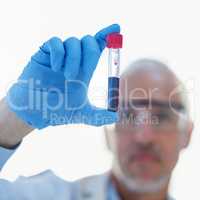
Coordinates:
(113, 78)
(114, 43)
(113, 62)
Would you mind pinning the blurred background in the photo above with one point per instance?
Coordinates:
(164, 30)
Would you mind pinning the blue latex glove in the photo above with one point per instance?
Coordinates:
(52, 90)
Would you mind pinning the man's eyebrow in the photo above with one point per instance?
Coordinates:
(153, 103)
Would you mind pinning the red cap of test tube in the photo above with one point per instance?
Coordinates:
(114, 40)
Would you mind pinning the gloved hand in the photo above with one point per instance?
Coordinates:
(52, 89)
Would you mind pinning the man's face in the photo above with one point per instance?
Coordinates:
(152, 130)
(147, 141)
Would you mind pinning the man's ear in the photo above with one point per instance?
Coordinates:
(187, 135)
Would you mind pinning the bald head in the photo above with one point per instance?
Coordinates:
(153, 80)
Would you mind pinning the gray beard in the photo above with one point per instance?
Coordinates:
(136, 185)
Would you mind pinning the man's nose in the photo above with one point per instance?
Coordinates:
(144, 134)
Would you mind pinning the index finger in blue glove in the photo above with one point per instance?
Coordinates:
(72, 57)
(102, 34)
(90, 57)
(55, 48)
(42, 58)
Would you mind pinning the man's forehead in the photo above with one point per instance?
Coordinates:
(149, 84)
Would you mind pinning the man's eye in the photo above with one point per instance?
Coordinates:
(162, 116)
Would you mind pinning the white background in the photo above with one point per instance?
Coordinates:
(167, 30)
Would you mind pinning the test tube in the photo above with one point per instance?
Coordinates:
(114, 43)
